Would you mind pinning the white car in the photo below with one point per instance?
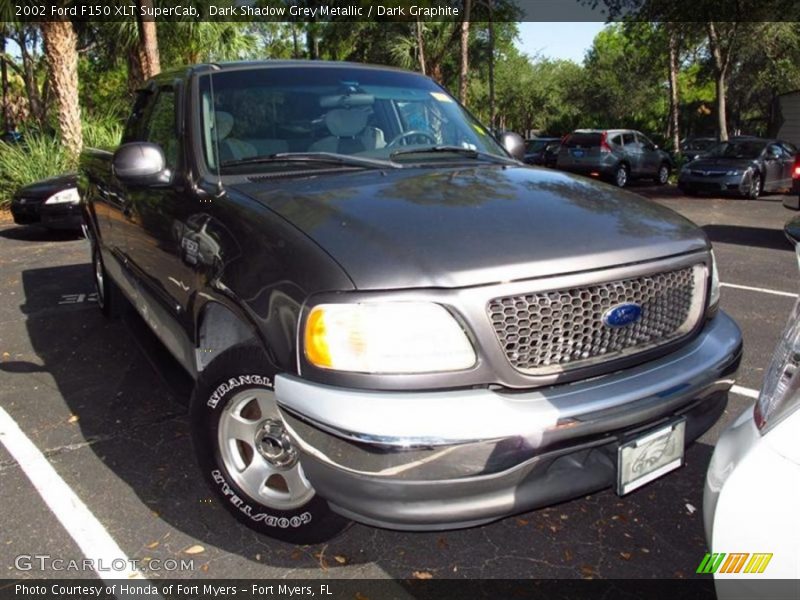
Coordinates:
(751, 506)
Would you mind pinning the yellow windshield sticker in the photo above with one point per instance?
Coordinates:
(441, 97)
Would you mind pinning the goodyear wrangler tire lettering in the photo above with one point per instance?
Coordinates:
(235, 382)
(234, 385)
(247, 509)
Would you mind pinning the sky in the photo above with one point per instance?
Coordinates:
(558, 40)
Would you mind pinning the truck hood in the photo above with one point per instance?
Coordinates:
(473, 225)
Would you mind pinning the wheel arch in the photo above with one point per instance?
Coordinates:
(219, 328)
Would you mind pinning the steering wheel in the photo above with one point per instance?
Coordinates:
(410, 133)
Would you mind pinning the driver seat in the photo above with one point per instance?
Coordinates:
(349, 133)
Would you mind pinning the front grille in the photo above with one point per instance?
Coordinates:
(551, 331)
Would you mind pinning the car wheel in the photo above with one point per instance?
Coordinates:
(248, 457)
(755, 188)
(109, 298)
(621, 176)
(663, 174)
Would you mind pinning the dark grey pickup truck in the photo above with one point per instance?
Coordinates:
(391, 319)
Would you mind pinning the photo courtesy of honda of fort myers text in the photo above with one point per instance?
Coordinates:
(477, 299)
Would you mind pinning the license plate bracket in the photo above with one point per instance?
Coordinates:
(650, 456)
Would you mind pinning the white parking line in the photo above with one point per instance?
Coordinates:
(92, 538)
(758, 289)
(746, 392)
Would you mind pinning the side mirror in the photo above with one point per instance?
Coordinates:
(513, 143)
(140, 163)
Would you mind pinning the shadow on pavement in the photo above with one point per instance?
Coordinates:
(761, 237)
(128, 395)
(40, 234)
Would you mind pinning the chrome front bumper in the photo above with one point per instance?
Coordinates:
(440, 459)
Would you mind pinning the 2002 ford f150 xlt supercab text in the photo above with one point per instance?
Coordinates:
(389, 318)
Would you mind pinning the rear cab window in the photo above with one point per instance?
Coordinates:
(584, 140)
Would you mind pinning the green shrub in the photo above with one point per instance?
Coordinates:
(102, 131)
(41, 155)
(38, 157)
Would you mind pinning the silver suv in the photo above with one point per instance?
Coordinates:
(618, 155)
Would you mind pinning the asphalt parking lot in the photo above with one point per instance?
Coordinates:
(107, 409)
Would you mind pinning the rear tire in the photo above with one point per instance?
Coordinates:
(621, 176)
(109, 298)
(246, 455)
(663, 174)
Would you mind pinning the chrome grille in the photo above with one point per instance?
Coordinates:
(549, 331)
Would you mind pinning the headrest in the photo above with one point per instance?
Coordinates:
(224, 124)
(346, 123)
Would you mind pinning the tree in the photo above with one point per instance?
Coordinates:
(147, 48)
(464, 72)
(721, 42)
(61, 53)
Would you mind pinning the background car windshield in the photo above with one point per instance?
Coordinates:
(253, 113)
(738, 150)
(535, 145)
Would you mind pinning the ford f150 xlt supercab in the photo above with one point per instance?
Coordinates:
(390, 318)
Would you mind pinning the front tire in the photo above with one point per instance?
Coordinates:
(755, 188)
(621, 176)
(246, 455)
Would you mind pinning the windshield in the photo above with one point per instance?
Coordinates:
(358, 112)
(744, 149)
(700, 145)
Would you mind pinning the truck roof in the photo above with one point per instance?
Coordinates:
(240, 65)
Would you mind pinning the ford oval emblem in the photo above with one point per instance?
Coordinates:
(622, 314)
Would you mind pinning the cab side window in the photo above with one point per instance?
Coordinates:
(160, 126)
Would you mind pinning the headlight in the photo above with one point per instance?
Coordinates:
(733, 173)
(69, 196)
(780, 393)
(713, 296)
(386, 337)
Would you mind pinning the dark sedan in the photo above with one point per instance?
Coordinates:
(52, 203)
(745, 166)
(542, 151)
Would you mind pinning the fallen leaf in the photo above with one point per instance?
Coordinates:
(522, 522)
(72, 419)
(442, 544)
(422, 575)
(153, 545)
(360, 596)
(645, 550)
(587, 571)
(196, 549)
(258, 557)
(625, 555)
(340, 559)
(564, 517)
(567, 555)
(296, 555)
(204, 568)
(6, 355)
(690, 508)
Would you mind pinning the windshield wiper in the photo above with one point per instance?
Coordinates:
(468, 152)
(315, 157)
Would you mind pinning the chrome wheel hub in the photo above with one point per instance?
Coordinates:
(258, 453)
(274, 445)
